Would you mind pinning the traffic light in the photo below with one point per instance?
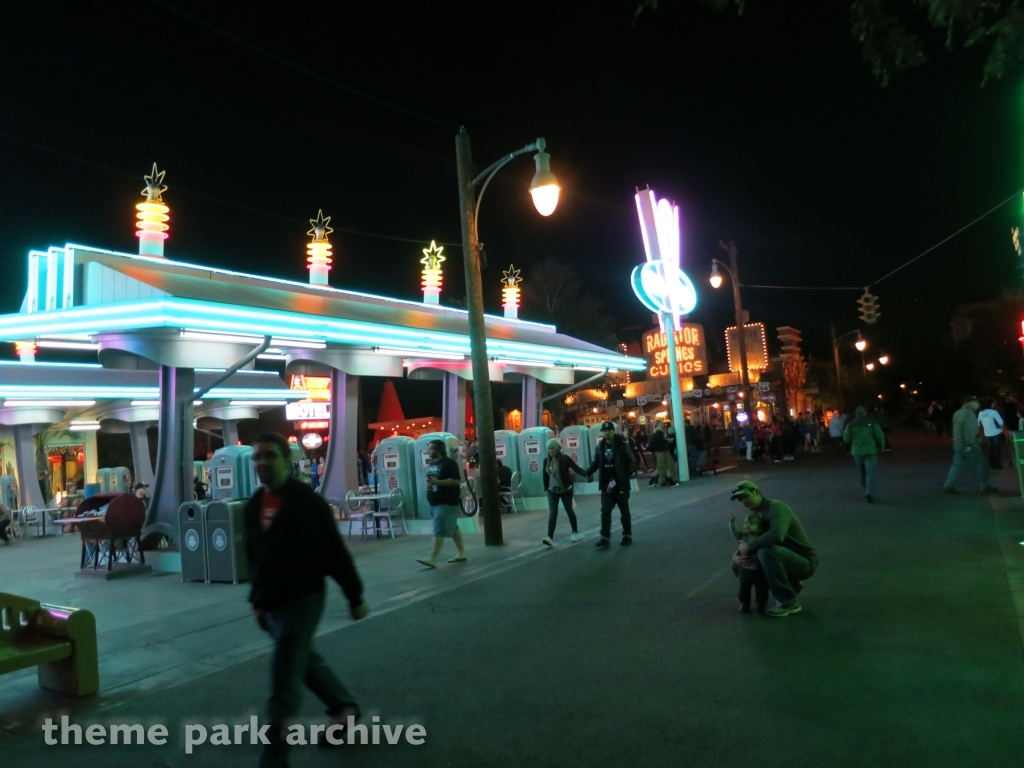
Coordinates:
(869, 308)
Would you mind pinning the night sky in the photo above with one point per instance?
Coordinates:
(766, 129)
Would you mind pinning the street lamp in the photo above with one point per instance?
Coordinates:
(870, 366)
(734, 276)
(544, 189)
(884, 359)
(861, 344)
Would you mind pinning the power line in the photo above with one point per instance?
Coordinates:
(946, 240)
(299, 68)
(211, 198)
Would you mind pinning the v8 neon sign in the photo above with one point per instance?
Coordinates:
(660, 284)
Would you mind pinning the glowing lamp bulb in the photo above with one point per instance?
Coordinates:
(861, 345)
(870, 366)
(884, 359)
(544, 187)
(716, 277)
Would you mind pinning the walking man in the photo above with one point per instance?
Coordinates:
(966, 447)
(659, 447)
(992, 425)
(865, 437)
(614, 466)
(293, 543)
(443, 483)
(784, 551)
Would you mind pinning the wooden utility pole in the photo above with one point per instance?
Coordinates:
(740, 320)
(490, 509)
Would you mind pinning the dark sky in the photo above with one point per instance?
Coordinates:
(766, 129)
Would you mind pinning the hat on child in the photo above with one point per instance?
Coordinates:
(743, 489)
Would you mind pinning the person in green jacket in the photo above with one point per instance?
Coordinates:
(967, 447)
(865, 437)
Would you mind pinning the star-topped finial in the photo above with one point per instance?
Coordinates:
(154, 186)
(511, 276)
(320, 229)
(432, 256)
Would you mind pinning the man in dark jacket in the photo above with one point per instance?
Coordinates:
(614, 465)
(293, 543)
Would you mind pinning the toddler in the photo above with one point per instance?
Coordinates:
(750, 576)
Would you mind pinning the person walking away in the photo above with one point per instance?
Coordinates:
(775, 442)
(673, 457)
(883, 421)
(558, 469)
(992, 426)
(966, 447)
(613, 464)
(784, 550)
(659, 447)
(835, 431)
(293, 543)
(751, 576)
(691, 437)
(443, 497)
(865, 438)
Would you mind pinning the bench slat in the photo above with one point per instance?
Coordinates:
(32, 653)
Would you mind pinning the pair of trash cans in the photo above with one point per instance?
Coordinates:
(212, 541)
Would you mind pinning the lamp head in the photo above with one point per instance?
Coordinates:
(544, 187)
(716, 276)
(884, 359)
(870, 366)
(860, 344)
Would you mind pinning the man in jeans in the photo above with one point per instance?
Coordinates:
(784, 552)
(967, 447)
(293, 542)
(865, 437)
(443, 495)
(614, 465)
(992, 425)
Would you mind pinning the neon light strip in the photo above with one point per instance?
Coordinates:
(39, 391)
(280, 281)
(529, 363)
(42, 343)
(418, 353)
(221, 318)
(50, 403)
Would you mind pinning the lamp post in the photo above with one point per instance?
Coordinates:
(544, 189)
(860, 344)
(741, 326)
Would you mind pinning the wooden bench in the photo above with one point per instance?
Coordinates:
(59, 642)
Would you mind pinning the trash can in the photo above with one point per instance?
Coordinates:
(192, 529)
(225, 541)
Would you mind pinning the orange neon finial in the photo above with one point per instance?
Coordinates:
(431, 261)
(510, 291)
(152, 215)
(319, 249)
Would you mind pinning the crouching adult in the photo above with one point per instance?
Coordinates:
(784, 551)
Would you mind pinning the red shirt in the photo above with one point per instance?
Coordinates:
(269, 504)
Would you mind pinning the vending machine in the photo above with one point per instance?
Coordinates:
(396, 467)
(118, 480)
(506, 448)
(533, 448)
(103, 479)
(422, 455)
(576, 444)
(233, 473)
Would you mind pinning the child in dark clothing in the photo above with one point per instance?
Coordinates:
(751, 577)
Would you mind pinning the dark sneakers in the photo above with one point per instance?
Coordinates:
(602, 543)
(626, 540)
(870, 500)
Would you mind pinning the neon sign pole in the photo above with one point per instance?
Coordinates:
(663, 288)
(510, 292)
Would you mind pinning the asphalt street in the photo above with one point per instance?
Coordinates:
(908, 652)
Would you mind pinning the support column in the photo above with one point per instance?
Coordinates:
(140, 453)
(453, 407)
(172, 486)
(25, 456)
(229, 431)
(340, 472)
(92, 457)
(529, 410)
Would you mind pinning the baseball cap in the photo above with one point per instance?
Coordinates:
(607, 425)
(140, 485)
(744, 488)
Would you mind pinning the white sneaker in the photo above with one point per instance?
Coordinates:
(547, 540)
(574, 538)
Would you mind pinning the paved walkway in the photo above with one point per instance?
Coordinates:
(909, 651)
